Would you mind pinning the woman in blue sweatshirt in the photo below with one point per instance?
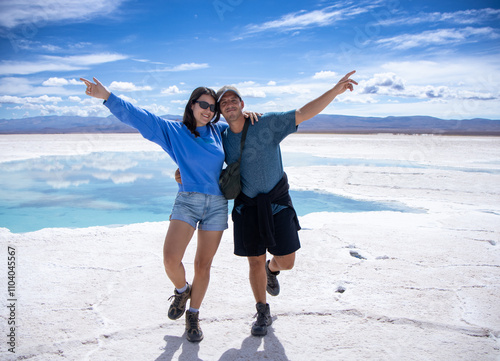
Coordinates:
(195, 145)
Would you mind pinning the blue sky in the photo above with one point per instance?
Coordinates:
(437, 58)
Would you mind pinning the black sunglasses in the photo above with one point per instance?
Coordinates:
(205, 105)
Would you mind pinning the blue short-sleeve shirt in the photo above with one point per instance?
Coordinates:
(261, 165)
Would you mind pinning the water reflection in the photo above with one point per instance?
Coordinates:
(303, 160)
(120, 188)
(308, 202)
(81, 191)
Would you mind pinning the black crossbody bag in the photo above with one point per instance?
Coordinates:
(229, 180)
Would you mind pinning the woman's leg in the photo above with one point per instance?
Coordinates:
(208, 243)
(176, 241)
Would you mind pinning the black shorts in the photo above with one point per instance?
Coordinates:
(285, 234)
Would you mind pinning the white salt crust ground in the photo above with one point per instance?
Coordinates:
(416, 286)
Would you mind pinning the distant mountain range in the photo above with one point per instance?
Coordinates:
(406, 125)
(322, 123)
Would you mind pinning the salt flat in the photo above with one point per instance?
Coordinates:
(366, 286)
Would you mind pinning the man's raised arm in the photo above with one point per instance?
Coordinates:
(317, 105)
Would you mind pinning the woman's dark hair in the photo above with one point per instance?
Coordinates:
(188, 118)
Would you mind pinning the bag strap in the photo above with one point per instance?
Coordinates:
(243, 137)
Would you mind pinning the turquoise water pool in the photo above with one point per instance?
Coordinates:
(122, 188)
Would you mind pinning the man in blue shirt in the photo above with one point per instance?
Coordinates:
(263, 214)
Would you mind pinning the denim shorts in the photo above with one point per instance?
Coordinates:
(208, 211)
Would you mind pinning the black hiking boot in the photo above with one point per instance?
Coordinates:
(178, 305)
(193, 330)
(259, 327)
(273, 286)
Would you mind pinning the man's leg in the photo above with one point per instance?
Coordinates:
(273, 268)
(258, 278)
(282, 263)
(258, 281)
(287, 243)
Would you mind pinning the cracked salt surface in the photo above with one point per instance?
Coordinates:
(426, 286)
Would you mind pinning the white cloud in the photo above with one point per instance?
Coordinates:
(171, 90)
(21, 43)
(26, 87)
(57, 63)
(190, 66)
(157, 109)
(50, 48)
(89, 59)
(325, 74)
(246, 83)
(271, 83)
(470, 16)
(14, 85)
(382, 83)
(430, 85)
(474, 95)
(55, 82)
(77, 110)
(89, 101)
(252, 92)
(479, 73)
(129, 99)
(291, 89)
(25, 68)
(392, 85)
(33, 100)
(250, 89)
(437, 37)
(269, 106)
(127, 87)
(183, 67)
(40, 12)
(356, 99)
(75, 99)
(305, 19)
(9, 99)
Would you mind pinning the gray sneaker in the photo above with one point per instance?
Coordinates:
(273, 286)
(259, 327)
(194, 332)
(178, 305)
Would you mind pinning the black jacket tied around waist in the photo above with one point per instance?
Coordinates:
(257, 213)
